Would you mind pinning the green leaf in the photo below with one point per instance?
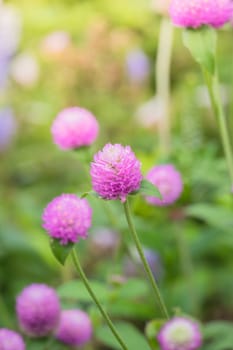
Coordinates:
(130, 334)
(147, 188)
(202, 44)
(60, 251)
(76, 290)
(90, 193)
(218, 335)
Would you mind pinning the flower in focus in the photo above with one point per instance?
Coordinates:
(168, 181)
(38, 310)
(8, 128)
(25, 70)
(55, 43)
(67, 218)
(137, 66)
(115, 172)
(75, 328)
(10, 340)
(180, 334)
(74, 127)
(160, 6)
(196, 13)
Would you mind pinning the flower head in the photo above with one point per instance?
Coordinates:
(75, 328)
(115, 172)
(67, 218)
(137, 66)
(38, 310)
(180, 334)
(74, 127)
(196, 13)
(168, 180)
(10, 340)
(104, 241)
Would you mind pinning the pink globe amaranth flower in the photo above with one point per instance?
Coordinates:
(196, 13)
(115, 172)
(168, 181)
(38, 310)
(74, 127)
(10, 340)
(180, 334)
(75, 328)
(67, 218)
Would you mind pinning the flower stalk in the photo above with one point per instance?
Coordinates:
(146, 266)
(95, 299)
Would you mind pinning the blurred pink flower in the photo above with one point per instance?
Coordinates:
(168, 181)
(74, 127)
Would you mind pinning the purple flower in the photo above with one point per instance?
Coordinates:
(103, 242)
(196, 13)
(115, 172)
(133, 264)
(38, 310)
(8, 127)
(75, 328)
(168, 180)
(74, 127)
(67, 218)
(137, 66)
(10, 340)
(180, 334)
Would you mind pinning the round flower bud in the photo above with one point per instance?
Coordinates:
(74, 127)
(168, 181)
(115, 172)
(38, 310)
(74, 328)
(103, 242)
(180, 334)
(196, 13)
(67, 218)
(10, 340)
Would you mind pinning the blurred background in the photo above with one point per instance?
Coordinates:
(123, 61)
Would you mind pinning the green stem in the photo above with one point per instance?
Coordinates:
(95, 299)
(213, 88)
(5, 315)
(162, 82)
(144, 261)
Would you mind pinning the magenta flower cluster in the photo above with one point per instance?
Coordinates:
(196, 13)
(39, 315)
(168, 181)
(38, 310)
(115, 172)
(180, 334)
(74, 127)
(67, 218)
(10, 340)
(75, 328)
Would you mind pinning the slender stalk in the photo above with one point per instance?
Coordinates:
(144, 261)
(5, 315)
(214, 93)
(95, 299)
(162, 81)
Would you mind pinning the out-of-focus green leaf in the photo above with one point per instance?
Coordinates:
(75, 290)
(218, 336)
(131, 336)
